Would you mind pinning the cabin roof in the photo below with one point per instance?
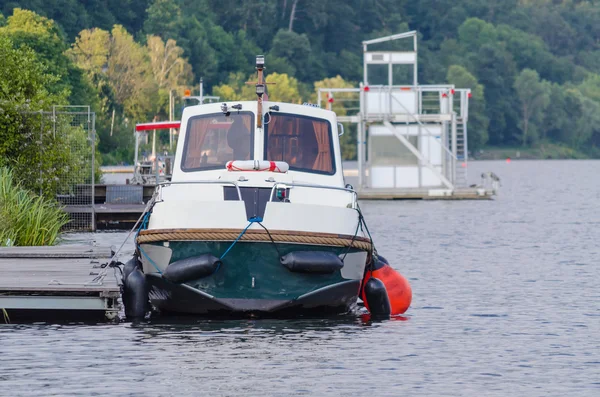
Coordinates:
(284, 107)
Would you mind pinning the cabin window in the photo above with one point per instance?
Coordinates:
(305, 143)
(214, 139)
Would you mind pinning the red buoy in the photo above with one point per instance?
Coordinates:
(397, 286)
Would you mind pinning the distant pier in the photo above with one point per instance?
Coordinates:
(427, 194)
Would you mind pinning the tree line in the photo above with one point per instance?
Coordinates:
(533, 65)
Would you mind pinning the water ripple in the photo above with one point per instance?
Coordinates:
(501, 307)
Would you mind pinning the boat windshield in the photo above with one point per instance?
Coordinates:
(212, 140)
(303, 142)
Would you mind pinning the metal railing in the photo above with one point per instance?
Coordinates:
(410, 104)
(428, 99)
(275, 186)
(60, 148)
(284, 185)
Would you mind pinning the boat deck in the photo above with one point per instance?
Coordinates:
(70, 281)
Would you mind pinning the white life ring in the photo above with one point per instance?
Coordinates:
(257, 165)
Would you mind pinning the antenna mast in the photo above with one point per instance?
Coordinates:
(260, 87)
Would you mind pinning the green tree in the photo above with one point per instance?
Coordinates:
(566, 107)
(495, 70)
(129, 73)
(28, 145)
(310, 39)
(23, 89)
(163, 19)
(235, 89)
(534, 97)
(225, 92)
(587, 125)
(26, 28)
(91, 50)
(283, 89)
(474, 33)
(590, 87)
(90, 53)
(170, 70)
(295, 49)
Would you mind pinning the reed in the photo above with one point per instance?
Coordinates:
(6, 316)
(27, 219)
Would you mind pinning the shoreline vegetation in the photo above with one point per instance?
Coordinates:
(533, 66)
(543, 152)
(25, 218)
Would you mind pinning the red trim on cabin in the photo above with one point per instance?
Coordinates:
(161, 125)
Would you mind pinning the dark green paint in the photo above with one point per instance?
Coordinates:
(245, 260)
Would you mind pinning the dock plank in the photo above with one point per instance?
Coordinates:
(65, 269)
(58, 251)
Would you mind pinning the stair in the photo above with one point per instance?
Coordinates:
(461, 154)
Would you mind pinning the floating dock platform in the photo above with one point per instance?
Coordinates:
(427, 194)
(69, 282)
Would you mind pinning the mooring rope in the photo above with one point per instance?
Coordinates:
(150, 236)
(112, 263)
(353, 237)
(251, 221)
(150, 260)
(144, 215)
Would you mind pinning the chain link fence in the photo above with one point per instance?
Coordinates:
(60, 156)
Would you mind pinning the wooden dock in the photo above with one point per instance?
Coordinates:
(114, 206)
(70, 282)
(109, 216)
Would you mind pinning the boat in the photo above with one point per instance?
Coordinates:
(256, 219)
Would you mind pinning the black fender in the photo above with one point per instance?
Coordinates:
(377, 297)
(191, 268)
(318, 262)
(135, 295)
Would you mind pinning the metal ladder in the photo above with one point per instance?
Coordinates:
(461, 153)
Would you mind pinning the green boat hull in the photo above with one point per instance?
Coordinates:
(251, 279)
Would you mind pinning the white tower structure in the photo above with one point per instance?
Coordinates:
(411, 138)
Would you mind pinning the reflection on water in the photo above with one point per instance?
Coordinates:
(506, 302)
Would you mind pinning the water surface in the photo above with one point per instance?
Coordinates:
(506, 302)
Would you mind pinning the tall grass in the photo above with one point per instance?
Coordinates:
(27, 219)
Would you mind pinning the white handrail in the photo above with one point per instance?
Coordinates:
(308, 185)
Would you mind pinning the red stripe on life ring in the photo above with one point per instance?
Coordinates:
(272, 166)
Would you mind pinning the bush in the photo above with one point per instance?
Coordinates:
(27, 219)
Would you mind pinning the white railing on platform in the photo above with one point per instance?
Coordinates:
(423, 105)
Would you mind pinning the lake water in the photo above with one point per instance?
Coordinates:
(506, 302)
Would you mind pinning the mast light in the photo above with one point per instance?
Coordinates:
(260, 62)
(260, 89)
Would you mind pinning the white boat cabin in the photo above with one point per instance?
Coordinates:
(305, 137)
(204, 193)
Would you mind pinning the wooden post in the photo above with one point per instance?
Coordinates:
(170, 118)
